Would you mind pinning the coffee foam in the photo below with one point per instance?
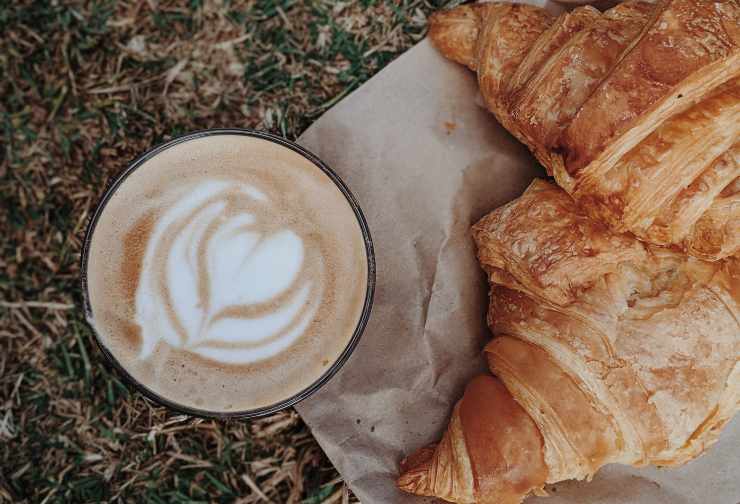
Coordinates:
(226, 273)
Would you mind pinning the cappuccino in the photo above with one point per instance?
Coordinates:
(226, 273)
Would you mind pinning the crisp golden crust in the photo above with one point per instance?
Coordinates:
(547, 104)
(666, 323)
(678, 221)
(717, 232)
(631, 193)
(506, 34)
(548, 43)
(582, 348)
(607, 103)
(491, 452)
(619, 351)
(443, 470)
(533, 243)
(686, 37)
(578, 437)
(455, 32)
(494, 423)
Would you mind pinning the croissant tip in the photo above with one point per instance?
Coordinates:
(414, 471)
(420, 457)
(440, 16)
(436, 25)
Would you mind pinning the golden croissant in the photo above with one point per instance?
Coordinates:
(607, 350)
(635, 111)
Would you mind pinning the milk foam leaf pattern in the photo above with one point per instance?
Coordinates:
(218, 282)
(228, 272)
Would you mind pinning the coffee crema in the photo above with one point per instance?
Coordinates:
(226, 273)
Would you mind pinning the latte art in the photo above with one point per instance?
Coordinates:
(226, 273)
(219, 282)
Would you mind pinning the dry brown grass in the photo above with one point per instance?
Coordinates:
(84, 88)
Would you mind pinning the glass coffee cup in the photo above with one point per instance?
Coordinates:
(227, 273)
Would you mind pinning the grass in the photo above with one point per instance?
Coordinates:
(84, 88)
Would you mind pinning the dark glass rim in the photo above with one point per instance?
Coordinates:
(338, 363)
